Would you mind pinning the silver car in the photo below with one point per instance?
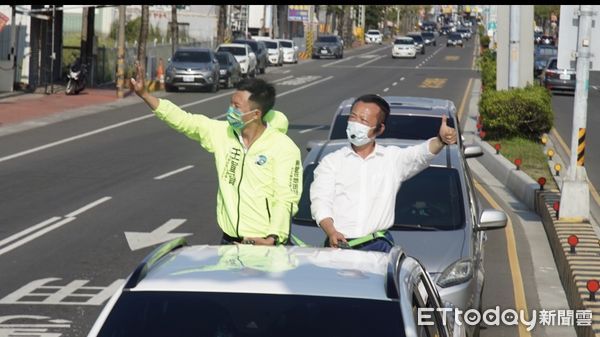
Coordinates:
(192, 68)
(246, 290)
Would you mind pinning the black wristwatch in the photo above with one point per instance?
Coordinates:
(275, 237)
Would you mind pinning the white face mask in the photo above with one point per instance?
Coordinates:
(358, 133)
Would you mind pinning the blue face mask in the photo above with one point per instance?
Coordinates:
(234, 117)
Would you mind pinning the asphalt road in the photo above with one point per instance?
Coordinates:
(71, 190)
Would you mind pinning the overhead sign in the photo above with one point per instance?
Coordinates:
(298, 13)
(568, 38)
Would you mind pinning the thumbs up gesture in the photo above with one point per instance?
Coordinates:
(447, 134)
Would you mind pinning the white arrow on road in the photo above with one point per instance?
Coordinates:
(139, 240)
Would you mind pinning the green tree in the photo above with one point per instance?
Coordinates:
(373, 16)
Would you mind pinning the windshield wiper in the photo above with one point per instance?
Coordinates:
(414, 227)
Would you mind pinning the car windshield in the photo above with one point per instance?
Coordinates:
(427, 35)
(553, 64)
(285, 44)
(192, 57)
(431, 199)
(373, 32)
(326, 39)
(253, 45)
(207, 314)
(454, 36)
(404, 41)
(234, 50)
(271, 44)
(547, 51)
(417, 38)
(398, 126)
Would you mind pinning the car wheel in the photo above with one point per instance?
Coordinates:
(423, 51)
(170, 88)
(415, 56)
(262, 70)
(253, 73)
(435, 43)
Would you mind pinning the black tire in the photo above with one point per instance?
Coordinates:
(70, 88)
(423, 51)
(262, 70)
(253, 73)
(228, 83)
(435, 43)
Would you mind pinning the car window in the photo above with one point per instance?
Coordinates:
(286, 44)
(417, 38)
(253, 44)
(427, 35)
(373, 32)
(234, 50)
(404, 41)
(223, 59)
(270, 44)
(432, 198)
(455, 36)
(398, 126)
(192, 56)
(191, 314)
(552, 64)
(326, 39)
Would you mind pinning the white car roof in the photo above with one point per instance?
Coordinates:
(239, 45)
(294, 270)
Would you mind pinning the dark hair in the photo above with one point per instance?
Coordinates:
(261, 93)
(384, 107)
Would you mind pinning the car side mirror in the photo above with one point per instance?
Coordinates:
(473, 151)
(295, 47)
(491, 219)
(169, 60)
(252, 54)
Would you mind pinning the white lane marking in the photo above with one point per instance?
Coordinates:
(139, 240)
(369, 61)
(287, 92)
(87, 207)
(286, 71)
(394, 84)
(386, 89)
(70, 139)
(401, 78)
(28, 230)
(338, 61)
(595, 87)
(35, 235)
(52, 226)
(168, 174)
(282, 79)
(312, 129)
(110, 127)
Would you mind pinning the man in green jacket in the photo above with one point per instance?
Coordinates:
(258, 166)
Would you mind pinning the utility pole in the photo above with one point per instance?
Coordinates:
(121, 54)
(575, 196)
(221, 24)
(174, 29)
(515, 22)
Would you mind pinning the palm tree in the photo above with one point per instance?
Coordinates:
(141, 52)
(221, 24)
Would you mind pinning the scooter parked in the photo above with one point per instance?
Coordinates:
(77, 77)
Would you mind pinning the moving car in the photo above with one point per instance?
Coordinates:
(275, 53)
(247, 290)
(547, 39)
(439, 207)
(429, 38)
(243, 54)
(231, 72)
(454, 39)
(404, 47)
(290, 51)
(464, 32)
(373, 36)
(555, 79)
(192, 68)
(260, 50)
(419, 42)
(328, 45)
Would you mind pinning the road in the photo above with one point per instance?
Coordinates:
(72, 189)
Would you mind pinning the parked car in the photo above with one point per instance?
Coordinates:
(445, 30)
(537, 37)
(192, 68)
(260, 50)
(275, 52)
(404, 47)
(438, 206)
(328, 45)
(247, 290)
(231, 71)
(428, 26)
(373, 36)
(555, 79)
(419, 42)
(454, 39)
(290, 51)
(243, 54)
(429, 37)
(542, 53)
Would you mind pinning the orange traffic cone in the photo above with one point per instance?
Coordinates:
(160, 74)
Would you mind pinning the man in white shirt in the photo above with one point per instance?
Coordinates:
(353, 194)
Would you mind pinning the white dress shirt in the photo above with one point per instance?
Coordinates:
(360, 194)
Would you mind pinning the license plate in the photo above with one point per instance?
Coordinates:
(222, 71)
(323, 51)
(565, 76)
(188, 78)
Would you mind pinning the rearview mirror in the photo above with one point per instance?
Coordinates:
(473, 151)
(491, 219)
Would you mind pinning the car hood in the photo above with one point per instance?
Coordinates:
(435, 250)
(325, 44)
(192, 65)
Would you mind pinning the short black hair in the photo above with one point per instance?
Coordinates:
(261, 93)
(380, 102)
